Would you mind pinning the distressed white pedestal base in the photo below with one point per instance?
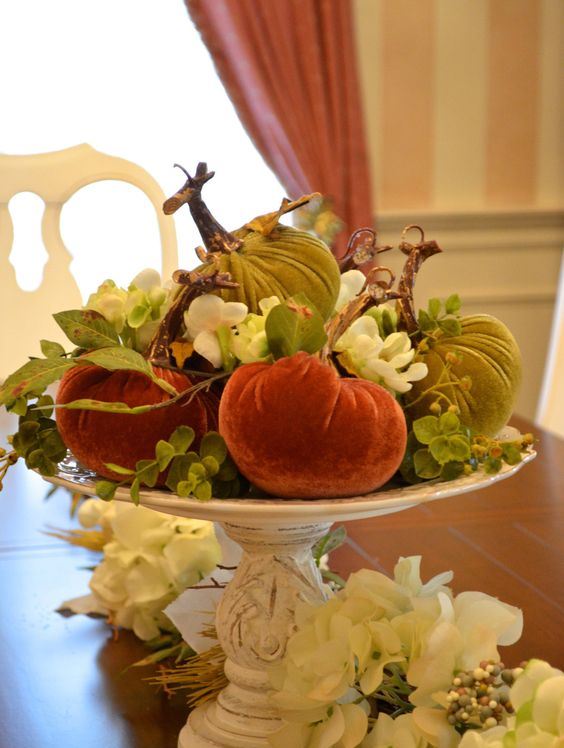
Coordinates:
(254, 621)
(256, 614)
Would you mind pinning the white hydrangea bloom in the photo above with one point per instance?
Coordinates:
(149, 560)
(384, 361)
(205, 315)
(249, 342)
(401, 732)
(135, 314)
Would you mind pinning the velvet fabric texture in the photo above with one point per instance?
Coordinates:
(289, 66)
(96, 438)
(298, 430)
(491, 358)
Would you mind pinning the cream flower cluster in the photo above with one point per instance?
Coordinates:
(386, 361)
(218, 328)
(134, 313)
(538, 698)
(149, 559)
(341, 649)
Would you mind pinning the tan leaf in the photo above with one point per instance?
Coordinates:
(267, 223)
(181, 350)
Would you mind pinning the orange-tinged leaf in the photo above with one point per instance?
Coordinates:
(181, 350)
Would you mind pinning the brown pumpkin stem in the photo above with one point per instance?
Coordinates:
(361, 249)
(416, 256)
(215, 237)
(194, 283)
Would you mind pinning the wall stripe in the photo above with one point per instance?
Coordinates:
(512, 120)
(550, 174)
(460, 103)
(407, 103)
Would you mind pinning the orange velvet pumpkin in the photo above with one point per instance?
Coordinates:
(96, 438)
(297, 429)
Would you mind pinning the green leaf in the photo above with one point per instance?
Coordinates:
(453, 304)
(425, 464)
(426, 429)
(211, 465)
(46, 404)
(164, 453)
(459, 448)
(449, 423)
(52, 444)
(440, 449)
(26, 437)
(105, 489)
(450, 327)
(434, 308)
(184, 489)
(37, 460)
(86, 328)
(50, 349)
(181, 438)
(178, 471)
(425, 322)
(147, 472)
(228, 470)
(452, 470)
(118, 469)
(213, 445)
(329, 542)
(294, 326)
(407, 468)
(203, 491)
(34, 376)
(19, 406)
(198, 471)
(134, 491)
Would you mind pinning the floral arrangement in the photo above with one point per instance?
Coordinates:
(148, 559)
(210, 384)
(215, 384)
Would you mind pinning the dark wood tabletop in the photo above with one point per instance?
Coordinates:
(64, 682)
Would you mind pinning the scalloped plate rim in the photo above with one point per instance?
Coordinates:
(292, 510)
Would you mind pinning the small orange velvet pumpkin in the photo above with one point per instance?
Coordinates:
(96, 438)
(298, 430)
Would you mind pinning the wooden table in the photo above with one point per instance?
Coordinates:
(63, 681)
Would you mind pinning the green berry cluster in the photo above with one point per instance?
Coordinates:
(386, 318)
(203, 474)
(37, 439)
(441, 446)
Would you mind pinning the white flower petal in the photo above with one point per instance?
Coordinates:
(204, 313)
(147, 279)
(233, 312)
(206, 343)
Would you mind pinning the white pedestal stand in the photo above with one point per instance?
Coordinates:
(253, 622)
(256, 615)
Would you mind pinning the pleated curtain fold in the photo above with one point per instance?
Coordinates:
(289, 66)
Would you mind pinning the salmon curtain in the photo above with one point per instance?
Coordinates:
(289, 66)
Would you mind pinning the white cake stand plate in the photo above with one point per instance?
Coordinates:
(255, 617)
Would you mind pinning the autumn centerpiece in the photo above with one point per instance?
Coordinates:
(270, 368)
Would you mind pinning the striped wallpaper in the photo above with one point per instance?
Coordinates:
(464, 102)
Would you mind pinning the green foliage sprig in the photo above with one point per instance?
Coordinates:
(441, 318)
(442, 447)
(295, 325)
(37, 439)
(203, 474)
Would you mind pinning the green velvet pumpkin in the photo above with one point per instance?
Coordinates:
(490, 357)
(282, 264)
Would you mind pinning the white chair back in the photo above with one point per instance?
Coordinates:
(55, 177)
